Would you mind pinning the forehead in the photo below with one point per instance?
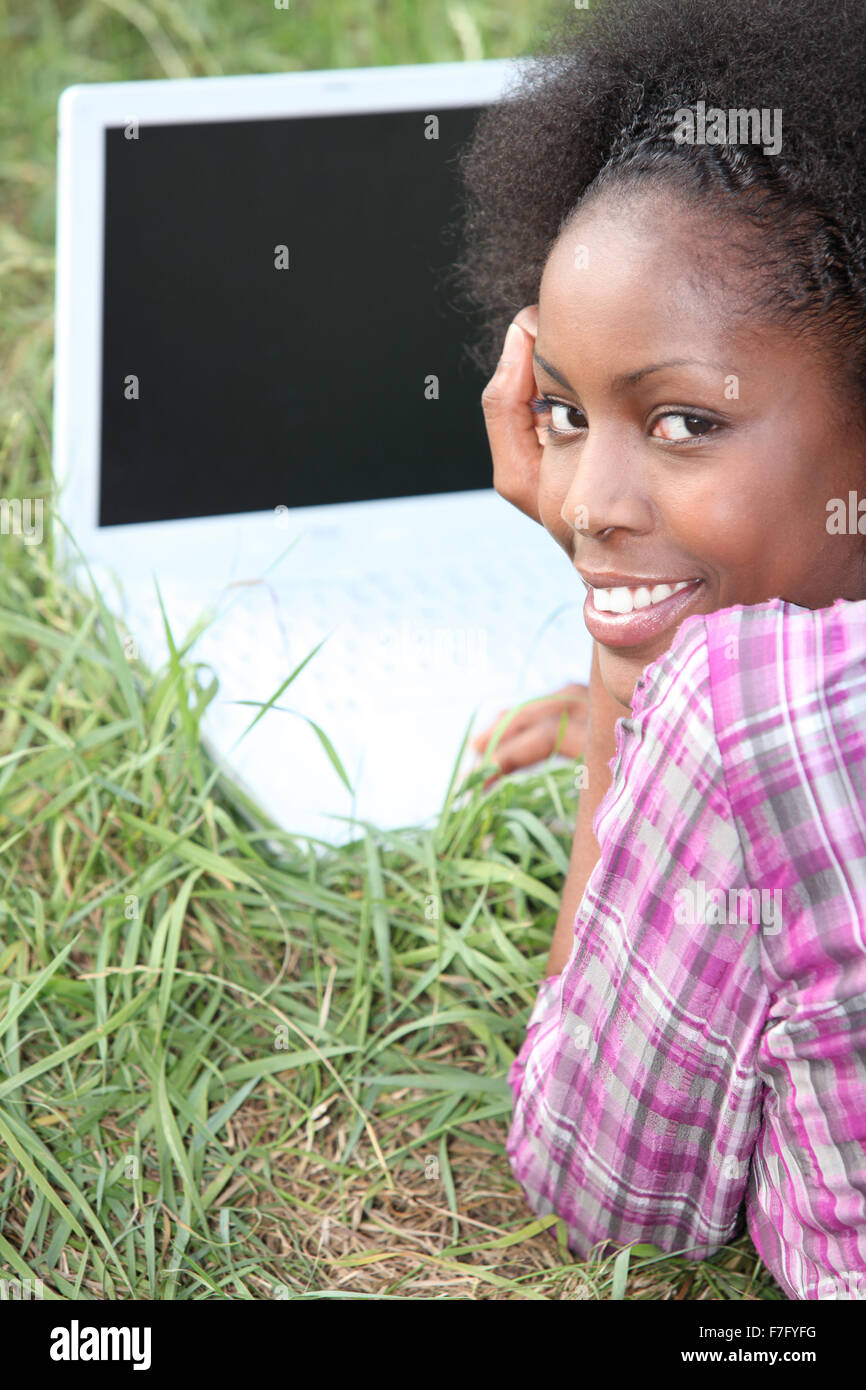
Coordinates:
(641, 262)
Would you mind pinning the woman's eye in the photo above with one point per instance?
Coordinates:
(561, 423)
(678, 425)
(675, 425)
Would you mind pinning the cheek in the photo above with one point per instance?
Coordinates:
(554, 481)
(764, 520)
(721, 521)
(774, 503)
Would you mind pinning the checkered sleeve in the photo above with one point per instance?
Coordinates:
(789, 692)
(636, 1100)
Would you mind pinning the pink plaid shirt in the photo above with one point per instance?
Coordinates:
(702, 1056)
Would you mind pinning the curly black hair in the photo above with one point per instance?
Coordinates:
(594, 109)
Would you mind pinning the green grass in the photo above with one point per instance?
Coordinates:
(234, 1065)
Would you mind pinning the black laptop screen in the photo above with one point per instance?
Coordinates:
(232, 384)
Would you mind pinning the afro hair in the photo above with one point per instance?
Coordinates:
(593, 106)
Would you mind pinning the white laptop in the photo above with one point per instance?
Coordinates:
(263, 403)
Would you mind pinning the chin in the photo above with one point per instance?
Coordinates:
(620, 678)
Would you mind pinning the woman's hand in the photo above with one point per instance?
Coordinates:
(516, 439)
(534, 733)
(517, 443)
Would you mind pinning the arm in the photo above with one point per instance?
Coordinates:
(599, 749)
(806, 1206)
(636, 1102)
(791, 724)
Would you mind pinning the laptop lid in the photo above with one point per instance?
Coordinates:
(252, 319)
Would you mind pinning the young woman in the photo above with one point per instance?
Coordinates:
(682, 404)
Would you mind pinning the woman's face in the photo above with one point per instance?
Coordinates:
(699, 447)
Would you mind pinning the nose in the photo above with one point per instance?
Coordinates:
(607, 491)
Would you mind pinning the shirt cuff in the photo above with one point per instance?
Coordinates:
(545, 1008)
(546, 1001)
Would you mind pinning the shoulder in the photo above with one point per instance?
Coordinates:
(785, 688)
(775, 657)
(753, 696)
(757, 661)
(788, 691)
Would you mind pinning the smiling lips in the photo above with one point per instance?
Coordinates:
(629, 615)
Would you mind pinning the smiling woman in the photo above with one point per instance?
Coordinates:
(653, 471)
(681, 394)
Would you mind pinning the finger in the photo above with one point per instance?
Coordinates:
(571, 742)
(572, 699)
(480, 741)
(510, 423)
(541, 741)
(527, 318)
(531, 746)
(514, 725)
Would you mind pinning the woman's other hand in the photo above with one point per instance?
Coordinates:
(534, 732)
(514, 435)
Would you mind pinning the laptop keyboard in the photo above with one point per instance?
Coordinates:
(406, 663)
(264, 630)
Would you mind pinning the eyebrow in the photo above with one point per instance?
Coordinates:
(631, 378)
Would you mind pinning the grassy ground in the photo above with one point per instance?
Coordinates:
(229, 1072)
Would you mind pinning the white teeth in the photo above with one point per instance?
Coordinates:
(620, 600)
(624, 600)
(661, 591)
